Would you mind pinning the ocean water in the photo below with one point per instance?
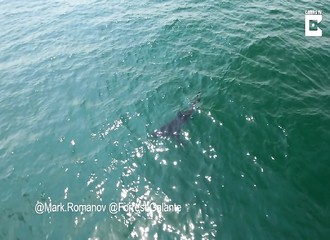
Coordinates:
(84, 83)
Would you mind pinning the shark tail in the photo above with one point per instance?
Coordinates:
(196, 100)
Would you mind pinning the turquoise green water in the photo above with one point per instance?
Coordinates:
(84, 83)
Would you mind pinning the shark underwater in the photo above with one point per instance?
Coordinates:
(173, 128)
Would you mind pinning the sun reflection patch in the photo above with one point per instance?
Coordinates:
(159, 147)
(249, 118)
(113, 127)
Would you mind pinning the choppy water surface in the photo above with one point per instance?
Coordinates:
(83, 83)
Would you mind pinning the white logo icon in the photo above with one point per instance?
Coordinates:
(312, 16)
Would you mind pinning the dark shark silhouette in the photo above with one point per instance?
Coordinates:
(173, 128)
